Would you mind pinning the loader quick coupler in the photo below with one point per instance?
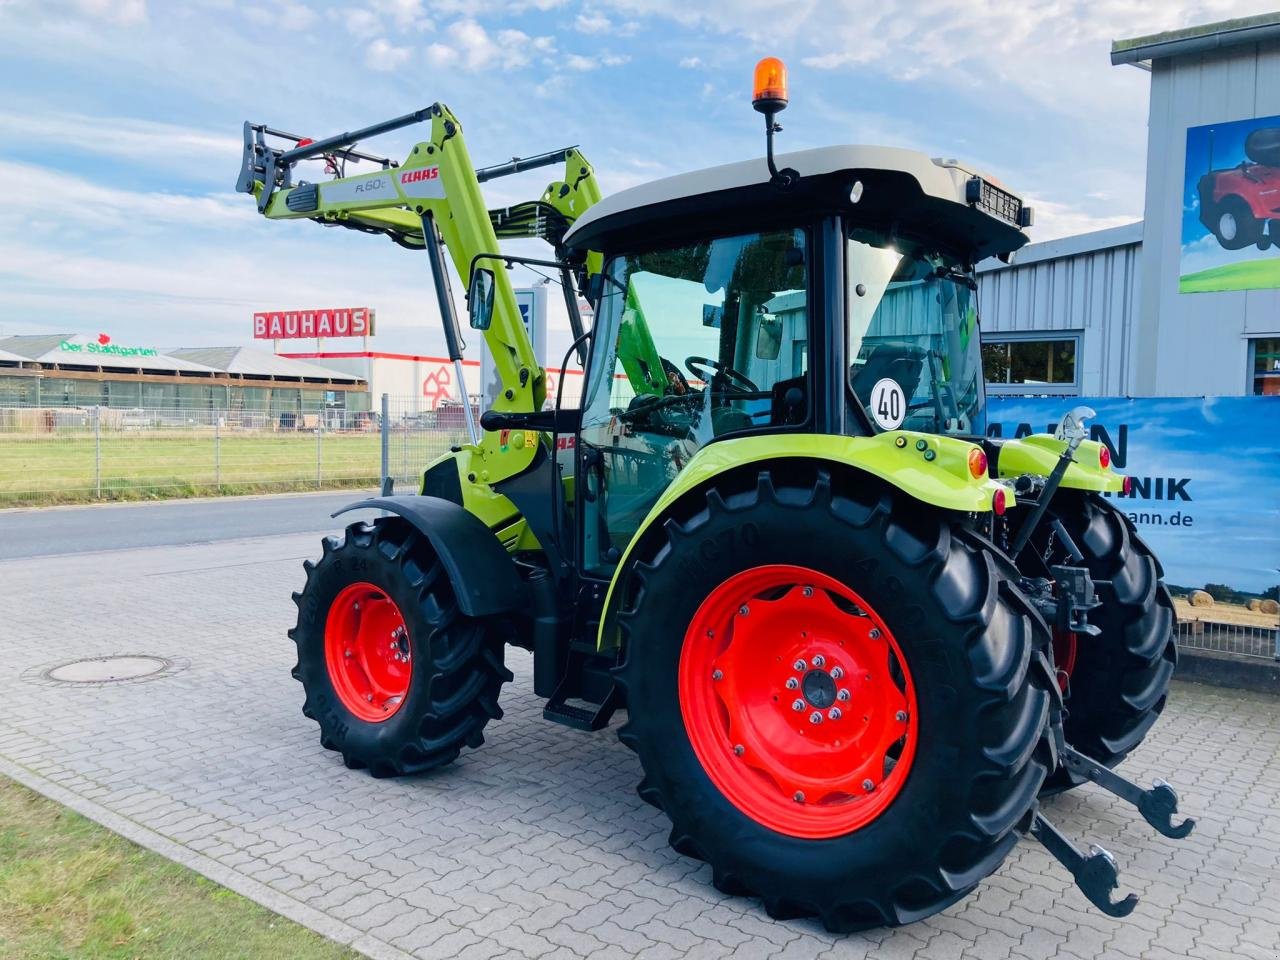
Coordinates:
(1157, 805)
(1095, 873)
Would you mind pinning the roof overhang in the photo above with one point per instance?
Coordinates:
(1140, 51)
(906, 194)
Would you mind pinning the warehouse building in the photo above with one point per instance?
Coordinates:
(83, 370)
(1187, 301)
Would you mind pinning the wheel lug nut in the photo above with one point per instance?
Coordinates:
(837, 673)
(815, 717)
(798, 797)
(744, 610)
(797, 705)
(792, 683)
(799, 665)
(842, 695)
(717, 675)
(808, 591)
(868, 786)
(739, 750)
(819, 661)
(834, 713)
(875, 633)
(901, 716)
(369, 697)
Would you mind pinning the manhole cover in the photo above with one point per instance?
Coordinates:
(108, 669)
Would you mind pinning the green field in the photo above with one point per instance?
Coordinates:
(70, 467)
(1247, 275)
(71, 889)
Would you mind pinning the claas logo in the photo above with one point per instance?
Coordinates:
(427, 173)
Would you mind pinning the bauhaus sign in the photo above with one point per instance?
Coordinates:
(306, 324)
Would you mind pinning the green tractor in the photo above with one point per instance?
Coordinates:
(856, 641)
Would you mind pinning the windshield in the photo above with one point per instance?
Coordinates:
(913, 337)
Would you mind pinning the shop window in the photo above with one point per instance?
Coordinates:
(1031, 364)
(1264, 366)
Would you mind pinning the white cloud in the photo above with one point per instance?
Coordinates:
(691, 63)
(146, 141)
(592, 23)
(1054, 220)
(361, 23)
(286, 14)
(583, 64)
(123, 12)
(381, 54)
(469, 45)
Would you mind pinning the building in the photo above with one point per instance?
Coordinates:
(80, 370)
(1186, 302)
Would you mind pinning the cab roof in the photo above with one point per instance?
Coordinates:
(904, 190)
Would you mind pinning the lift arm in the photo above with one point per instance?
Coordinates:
(436, 188)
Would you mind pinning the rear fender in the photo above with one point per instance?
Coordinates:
(1038, 454)
(931, 468)
(482, 573)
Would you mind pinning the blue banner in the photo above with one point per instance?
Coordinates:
(1206, 477)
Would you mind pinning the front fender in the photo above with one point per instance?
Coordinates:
(482, 573)
(1038, 454)
(932, 468)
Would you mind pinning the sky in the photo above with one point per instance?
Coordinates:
(120, 126)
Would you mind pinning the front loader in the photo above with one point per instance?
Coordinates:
(856, 641)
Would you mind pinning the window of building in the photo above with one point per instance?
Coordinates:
(1032, 363)
(1264, 366)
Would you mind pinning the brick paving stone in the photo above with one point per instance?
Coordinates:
(536, 845)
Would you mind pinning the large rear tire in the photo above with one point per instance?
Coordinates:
(912, 794)
(1118, 681)
(397, 677)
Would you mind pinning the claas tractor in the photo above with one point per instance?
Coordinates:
(856, 641)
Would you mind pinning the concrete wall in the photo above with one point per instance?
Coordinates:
(1085, 285)
(1195, 343)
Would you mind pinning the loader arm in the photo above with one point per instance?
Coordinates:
(436, 188)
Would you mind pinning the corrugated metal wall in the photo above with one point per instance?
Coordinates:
(1086, 285)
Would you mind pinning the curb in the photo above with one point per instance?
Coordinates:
(275, 901)
(1224, 670)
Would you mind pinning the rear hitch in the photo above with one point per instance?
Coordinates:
(1095, 873)
(1157, 805)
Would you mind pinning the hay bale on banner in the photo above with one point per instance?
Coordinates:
(1200, 598)
(1270, 607)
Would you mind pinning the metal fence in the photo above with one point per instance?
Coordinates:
(75, 454)
(1237, 639)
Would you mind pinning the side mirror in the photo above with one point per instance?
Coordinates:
(769, 337)
(480, 298)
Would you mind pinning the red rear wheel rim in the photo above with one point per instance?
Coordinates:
(1066, 647)
(774, 637)
(366, 650)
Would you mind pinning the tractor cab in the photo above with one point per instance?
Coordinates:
(732, 302)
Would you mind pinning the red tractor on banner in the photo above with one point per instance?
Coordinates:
(1240, 205)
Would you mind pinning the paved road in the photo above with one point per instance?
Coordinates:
(536, 845)
(51, 532)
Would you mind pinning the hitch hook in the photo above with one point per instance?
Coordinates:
(1095, 873)
(1157, 805)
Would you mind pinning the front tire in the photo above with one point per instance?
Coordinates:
(1234, 224)
(397, 677)
(782, 810)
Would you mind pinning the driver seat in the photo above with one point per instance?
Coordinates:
(886, 361)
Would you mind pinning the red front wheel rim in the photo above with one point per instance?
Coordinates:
(797, 701)
(367, 652)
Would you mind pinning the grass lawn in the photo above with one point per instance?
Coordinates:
(1246, 275)
(72, 889)
(64, 467)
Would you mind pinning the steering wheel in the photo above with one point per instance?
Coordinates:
(732, 378)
